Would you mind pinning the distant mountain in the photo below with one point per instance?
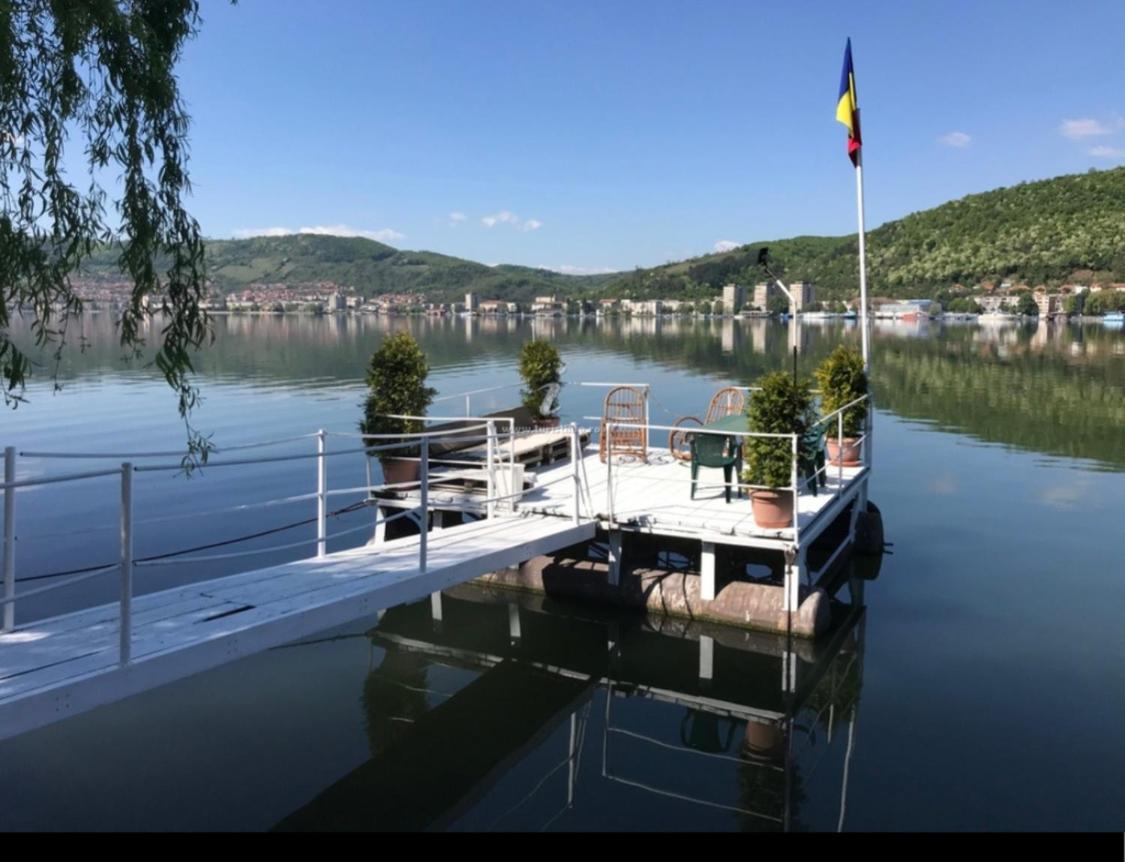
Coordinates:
(370, 267)
(1035, 233)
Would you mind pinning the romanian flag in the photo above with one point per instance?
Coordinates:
(847, 109)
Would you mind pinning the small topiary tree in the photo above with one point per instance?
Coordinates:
(396, 383)
(842, 380)
(782, 406)
(540, 366)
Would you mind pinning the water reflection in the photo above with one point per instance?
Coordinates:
(577, 719)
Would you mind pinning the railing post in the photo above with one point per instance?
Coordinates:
(575, 456)
(9, 539)
(796, 490)
(126, 615)
(609, 470)
(490, 454)
(321, 494)
(424, 504)
(468, 405)
(840, 452)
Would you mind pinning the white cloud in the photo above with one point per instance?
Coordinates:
(1105, 152)
(455, 218)
(1084, 128)
(726, 245)
(247, 232)
(567, 269)
(507, 217)
(960, 140)
(383, 235)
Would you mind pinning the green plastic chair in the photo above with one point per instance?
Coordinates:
(713, 450)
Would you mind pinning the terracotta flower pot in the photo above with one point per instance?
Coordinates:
(397, 470)
(773, 510)
(851, 449)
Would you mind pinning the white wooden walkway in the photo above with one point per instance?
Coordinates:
(61, 666)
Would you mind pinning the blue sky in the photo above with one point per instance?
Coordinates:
(585, 136)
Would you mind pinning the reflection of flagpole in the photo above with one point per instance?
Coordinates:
(862, 253)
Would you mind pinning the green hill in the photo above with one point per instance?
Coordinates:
(1035, 233)
(370, 267)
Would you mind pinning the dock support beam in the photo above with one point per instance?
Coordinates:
(707, 572)
(706, 658)
(615, 558)
(794, 569)
(435, 606)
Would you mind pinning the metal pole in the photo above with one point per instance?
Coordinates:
(321, 494)
(796, 491)
(9, 539)
(575, 455)
(609, 469)
(489, 456)
(424, 494)
(126, 616)
(862, 256)
(840, 452)
(468, 405)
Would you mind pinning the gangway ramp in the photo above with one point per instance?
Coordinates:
(53, 668)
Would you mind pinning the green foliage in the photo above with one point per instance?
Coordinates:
(1035, 233)
(1104, 301)
(778, 304)
(396, 384)
(781, 406)
(100, 78)
(841, 379)
(963, 305)
(540, 366)
(1027, 305)
(370, 267)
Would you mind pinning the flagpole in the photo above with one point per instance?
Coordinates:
(862, 255)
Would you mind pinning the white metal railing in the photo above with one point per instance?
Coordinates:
(126, 471)
(795, 440)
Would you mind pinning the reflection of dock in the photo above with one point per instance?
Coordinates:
(724, 704)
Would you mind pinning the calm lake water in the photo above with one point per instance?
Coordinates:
(982, 688)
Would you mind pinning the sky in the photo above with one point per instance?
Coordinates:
(591, 136)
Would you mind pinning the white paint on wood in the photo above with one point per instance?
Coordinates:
(59, 667)
(707, 572)
(615, 558)
(706, 657)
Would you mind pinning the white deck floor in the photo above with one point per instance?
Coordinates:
(655, 497)
(67, 664)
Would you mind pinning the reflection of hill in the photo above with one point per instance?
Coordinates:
(1056, 389)
(1036, 401)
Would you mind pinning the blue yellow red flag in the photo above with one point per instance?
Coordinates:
(847, 108)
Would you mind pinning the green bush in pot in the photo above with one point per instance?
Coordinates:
(781, 406)
(540, 367)
(842, 380)
(396, 384)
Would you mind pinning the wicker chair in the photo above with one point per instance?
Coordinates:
(624, 404)
(728, 401)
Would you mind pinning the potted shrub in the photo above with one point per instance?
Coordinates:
(396, 384)
(541, 369)
(842, 380)
(782, 406)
